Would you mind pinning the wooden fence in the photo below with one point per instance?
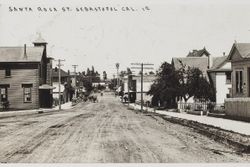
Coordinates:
(182, 106)
(238, 108)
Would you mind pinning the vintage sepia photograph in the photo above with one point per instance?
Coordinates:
(124, 81)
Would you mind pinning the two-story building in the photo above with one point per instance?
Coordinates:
(135, 86)
(25, 76)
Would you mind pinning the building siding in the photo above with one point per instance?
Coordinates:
(238, 63)
(222, 89)
(244, 67)
(15, 91)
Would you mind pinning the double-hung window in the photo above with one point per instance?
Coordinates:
(239, 81)
(27, 88)
(4, 92)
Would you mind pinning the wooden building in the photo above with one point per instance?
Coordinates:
(220, 78)
(240, 59)
(238, 106)
(25, 76)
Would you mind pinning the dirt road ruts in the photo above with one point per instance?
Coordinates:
(105, 132)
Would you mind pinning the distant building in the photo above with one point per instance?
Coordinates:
(135, 86)
(25, 76)
(198, 59)
(64, 80)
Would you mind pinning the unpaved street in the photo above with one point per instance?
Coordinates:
(105, 132)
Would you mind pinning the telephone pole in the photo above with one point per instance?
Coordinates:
(59, 79)
(130, 73)
(75, 66)
(141, 68)
(117, 68)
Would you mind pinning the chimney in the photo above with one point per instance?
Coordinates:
(25, 52)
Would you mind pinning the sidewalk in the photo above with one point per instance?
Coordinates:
(34, 111)
(227, 124)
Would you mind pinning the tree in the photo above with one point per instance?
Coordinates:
(151, 73)
(200, 87)
(193, 84)
(88, 85)
(165, 87)
(104, 75)
(123, 73)
(112, 84)
(184, 75)
(88, 72)
(186, 82)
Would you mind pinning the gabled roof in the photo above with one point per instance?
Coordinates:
(198, 53)
(56, 73)
(40, 39)
(243, 49)
(196, 62)
(218, 62)
(16, 54)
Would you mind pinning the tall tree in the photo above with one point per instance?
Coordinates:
(104, 75)
(165, 87)
(200, 87)
(88, 72)
(192, 83)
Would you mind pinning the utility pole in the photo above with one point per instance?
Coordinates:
(117, 68)
(130, 73)
(141, 68)
(59, 80)
(74, 66)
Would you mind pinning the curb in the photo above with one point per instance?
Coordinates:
(240, 142)
(10, 114)
(216, 133)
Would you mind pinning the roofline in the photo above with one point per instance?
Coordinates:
(21, 46)
(205, 50)
(223, 63)
(39, 42)
(231, 51)
(218, 70)
(20, 61)
(189, 58)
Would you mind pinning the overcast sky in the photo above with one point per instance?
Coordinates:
(169, 29)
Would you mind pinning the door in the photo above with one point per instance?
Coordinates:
(45, 98)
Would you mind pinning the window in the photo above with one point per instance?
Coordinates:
(239, 82)
(27, 93)
(4, 92)
(7, 72)
(228, 77)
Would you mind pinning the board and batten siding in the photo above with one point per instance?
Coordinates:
(15, 91)
(238, 108)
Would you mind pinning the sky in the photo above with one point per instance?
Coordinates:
(170, 28)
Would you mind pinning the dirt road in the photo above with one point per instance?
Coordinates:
(105, 132)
